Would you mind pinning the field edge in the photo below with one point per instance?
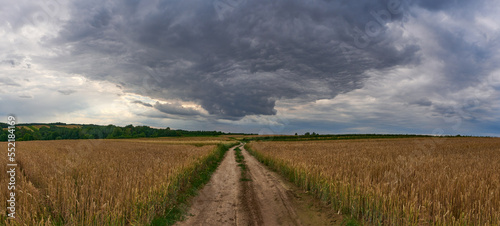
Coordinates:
(190, 184)
(287, 172)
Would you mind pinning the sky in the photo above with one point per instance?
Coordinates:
(255, 66)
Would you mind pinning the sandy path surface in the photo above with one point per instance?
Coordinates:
(265, 200)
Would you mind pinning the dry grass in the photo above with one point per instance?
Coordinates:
(418, 181)
(96, 182)
(68, 126)
(21, 127)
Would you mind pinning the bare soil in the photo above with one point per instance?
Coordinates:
(267, 199)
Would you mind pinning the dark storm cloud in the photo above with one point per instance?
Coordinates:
(142, 103)
(446, 5)
(259, 52)
(422, 102)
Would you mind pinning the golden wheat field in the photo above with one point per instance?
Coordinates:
(96, 182)
(417, 181)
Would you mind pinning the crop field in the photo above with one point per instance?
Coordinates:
(410, 181)
(103, 182)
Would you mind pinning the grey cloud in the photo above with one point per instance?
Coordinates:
(446, 5)
(10, 62)
(101, 19)
(142, 103)
(15, 60)
(422, 102)
(26, 96)
(66, 91)
(465, 62)
(468, 109)
(261, 52)
(175, 109)
(467, 55)
(8, 81)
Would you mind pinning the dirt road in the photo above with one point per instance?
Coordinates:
(267, 199)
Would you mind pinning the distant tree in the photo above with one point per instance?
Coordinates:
(53, 131)
(117, 132)
(27, 136)
(307, 134)
(296, 134)
(74, 134)
(54, 135)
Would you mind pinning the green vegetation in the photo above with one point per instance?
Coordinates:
(62, 131)
(349, 221)
(240, 159)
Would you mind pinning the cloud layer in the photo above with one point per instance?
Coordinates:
(239, 65)
(359, 64)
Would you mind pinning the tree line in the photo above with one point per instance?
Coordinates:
(60, 131)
